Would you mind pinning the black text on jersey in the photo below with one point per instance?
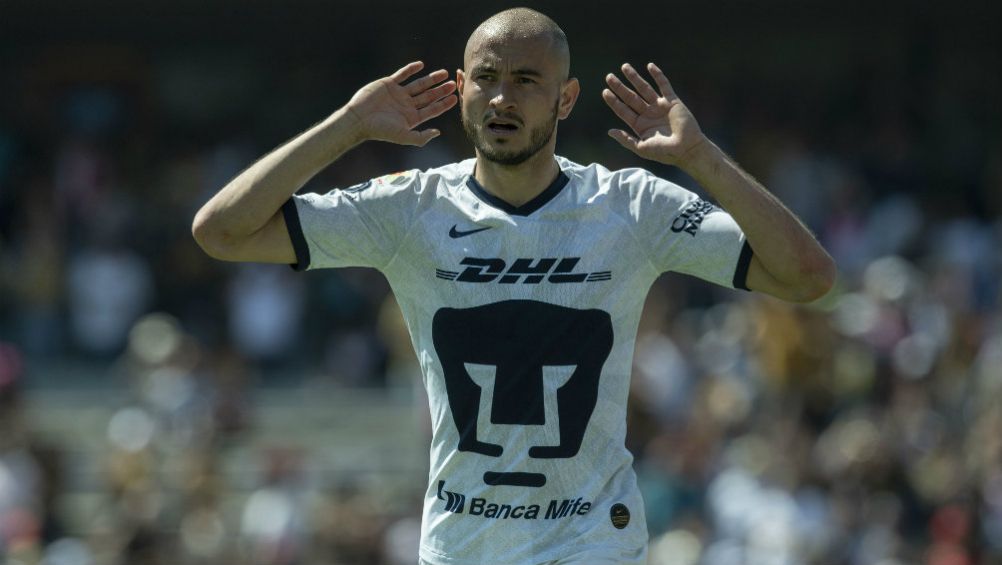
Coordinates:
(524, 270)
(692, 217)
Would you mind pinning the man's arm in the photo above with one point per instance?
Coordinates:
(244, 222)
(788, 262)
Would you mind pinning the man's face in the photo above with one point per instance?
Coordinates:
(512, 94)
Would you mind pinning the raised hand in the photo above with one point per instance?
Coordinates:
(388, 110)
(665, 130)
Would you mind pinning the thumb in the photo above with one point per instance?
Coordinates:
(420, 138)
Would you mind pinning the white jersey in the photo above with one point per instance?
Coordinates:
(524, 321)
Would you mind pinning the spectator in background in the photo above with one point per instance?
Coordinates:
(272, 524)
(266, 305)
(109, 285)
(30, 472)
(34, 272)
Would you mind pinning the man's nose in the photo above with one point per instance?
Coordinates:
(502, 98)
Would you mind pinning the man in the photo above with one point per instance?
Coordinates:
(521, 276)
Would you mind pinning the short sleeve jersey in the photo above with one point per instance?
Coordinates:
(524, 321)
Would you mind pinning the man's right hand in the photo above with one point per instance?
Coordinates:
(388, 110)
(244, 220)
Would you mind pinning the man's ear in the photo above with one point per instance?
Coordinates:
(568, 96)
(460, 79)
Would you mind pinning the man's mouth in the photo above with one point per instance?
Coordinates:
(500, 126)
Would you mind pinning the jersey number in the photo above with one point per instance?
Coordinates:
(520, 338)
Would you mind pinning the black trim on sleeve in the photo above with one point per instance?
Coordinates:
(741, 272)
(296, 235)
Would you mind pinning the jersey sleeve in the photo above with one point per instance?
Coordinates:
(687, 234)
(360, 226)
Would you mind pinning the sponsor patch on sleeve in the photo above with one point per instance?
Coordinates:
(692, 217)
(394, 179)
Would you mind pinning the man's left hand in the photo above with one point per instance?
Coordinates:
(665, 130)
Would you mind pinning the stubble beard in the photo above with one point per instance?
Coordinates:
(538, 138)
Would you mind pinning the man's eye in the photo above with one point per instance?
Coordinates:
(525, 80)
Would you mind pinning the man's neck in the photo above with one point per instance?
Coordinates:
(520, 183)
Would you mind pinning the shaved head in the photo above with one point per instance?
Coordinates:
(520, 24)
(515, 87)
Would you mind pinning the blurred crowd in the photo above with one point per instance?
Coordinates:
(863, 429)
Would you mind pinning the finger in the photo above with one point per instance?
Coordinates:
(436, 108)
(424, 83)
(662, 81)
(624, 112)
(420, 138)
(437, 93)
(624, 139)
(631, 98)
(644, 88)
(407, 71)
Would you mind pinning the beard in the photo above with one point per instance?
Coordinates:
(538, 138)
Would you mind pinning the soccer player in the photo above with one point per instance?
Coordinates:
(521, 276)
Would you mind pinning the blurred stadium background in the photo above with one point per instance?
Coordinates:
(158, 407)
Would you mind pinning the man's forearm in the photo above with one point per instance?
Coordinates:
(248, 201)
(783, 245)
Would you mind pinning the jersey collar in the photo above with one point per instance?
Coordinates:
(525, 209)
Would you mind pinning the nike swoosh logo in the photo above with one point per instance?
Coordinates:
(456, 234)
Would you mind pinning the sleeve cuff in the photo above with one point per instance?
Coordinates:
(291, 215)
(741, 272)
